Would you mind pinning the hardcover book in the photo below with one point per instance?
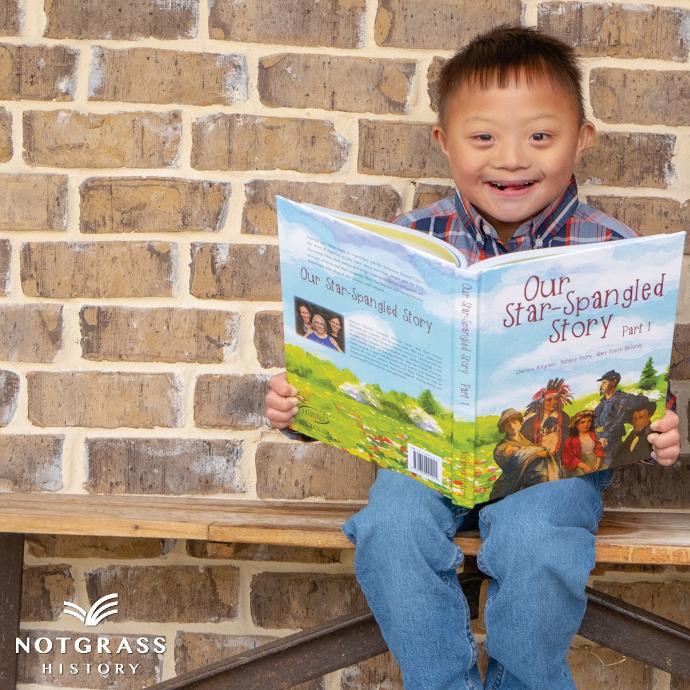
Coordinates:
(476, 380)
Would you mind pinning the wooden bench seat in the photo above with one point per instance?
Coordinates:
(625, 536)
(633, 537)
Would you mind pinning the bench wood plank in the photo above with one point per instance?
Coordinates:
(625, 536)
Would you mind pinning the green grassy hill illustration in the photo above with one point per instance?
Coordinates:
(378, 425)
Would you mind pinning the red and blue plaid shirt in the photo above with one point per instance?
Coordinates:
(566, 221)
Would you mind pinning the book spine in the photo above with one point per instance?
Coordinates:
(465, 388)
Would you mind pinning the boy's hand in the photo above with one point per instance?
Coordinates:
(281, 402)
(665, 439)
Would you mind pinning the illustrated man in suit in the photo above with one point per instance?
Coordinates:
(635, 447)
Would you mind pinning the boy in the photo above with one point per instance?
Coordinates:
(511, 122)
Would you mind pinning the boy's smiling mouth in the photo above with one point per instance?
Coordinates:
(502, 185)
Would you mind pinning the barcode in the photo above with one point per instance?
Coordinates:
(425, 464)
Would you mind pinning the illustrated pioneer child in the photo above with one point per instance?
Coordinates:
(582, 452)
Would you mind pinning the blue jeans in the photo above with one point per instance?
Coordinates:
(538, 549)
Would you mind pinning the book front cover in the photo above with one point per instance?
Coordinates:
(573, 361)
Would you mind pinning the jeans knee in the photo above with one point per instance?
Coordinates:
(537, 548)
(402, 526)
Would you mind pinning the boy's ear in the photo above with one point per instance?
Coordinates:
(585, 138)
(440, 137)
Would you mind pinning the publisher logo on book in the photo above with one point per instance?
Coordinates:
(109, 656)
(313, 415)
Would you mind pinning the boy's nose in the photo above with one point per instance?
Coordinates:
(511, 156)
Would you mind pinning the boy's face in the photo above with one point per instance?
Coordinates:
(512, 150)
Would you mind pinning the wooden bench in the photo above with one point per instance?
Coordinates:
(630, 537)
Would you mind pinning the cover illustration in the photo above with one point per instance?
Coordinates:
(481, 380)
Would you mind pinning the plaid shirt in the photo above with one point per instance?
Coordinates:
(566, 221)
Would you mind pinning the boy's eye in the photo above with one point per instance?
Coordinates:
(482, 137)
(540, 136)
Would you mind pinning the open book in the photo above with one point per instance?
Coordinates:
(476, 380)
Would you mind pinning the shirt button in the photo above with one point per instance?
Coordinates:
(538, 243)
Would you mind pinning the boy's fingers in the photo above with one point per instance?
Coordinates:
(666, 423)
(666, 457)
(279, 402)
(280, 385)
(666, 440)
(280, 419)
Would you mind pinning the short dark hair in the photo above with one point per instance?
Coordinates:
(505, 53)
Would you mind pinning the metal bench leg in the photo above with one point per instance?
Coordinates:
(11, 565)
(306, 655)
(637, 633)
(350, 639)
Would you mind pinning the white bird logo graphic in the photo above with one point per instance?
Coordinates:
(100, 610)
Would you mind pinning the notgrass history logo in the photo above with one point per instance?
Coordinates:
(72, 645)
(100, 610)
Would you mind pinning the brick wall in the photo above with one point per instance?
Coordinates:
(141, 146)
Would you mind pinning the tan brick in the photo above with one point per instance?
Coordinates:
(167, 76)
(9, 392)
(647, 215)
(98, 269)
(192, 594)
(302, 600)
(30, 332)
(235, 271)
(158, 335)
(31, 463)
(641, 96)
(5, 257)
(9, 18)
(168, 466)
(680, 356)
(235, 401)
(310, 470)
(196, 649)
(247, 142)
(262, 552)
(599, 667)
(68, 546)
(627, 31)
(30, 667)
(446, 24)
(335, 83)
(44, 589)
(268, 339)
(669, 600)
(259, 217)
(433, 76)
(37, 73)
(628, 159)
(331, 23)
(401, 149)
(100, 399)
(5, 135)
(67, 139)
(379, 672)
(121, 19)
(152, 204)
(644, 486)
(426, 194)
(33, 202)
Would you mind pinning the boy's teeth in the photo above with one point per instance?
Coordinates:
(499, 185)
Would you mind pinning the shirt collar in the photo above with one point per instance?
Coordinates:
(540, 228)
